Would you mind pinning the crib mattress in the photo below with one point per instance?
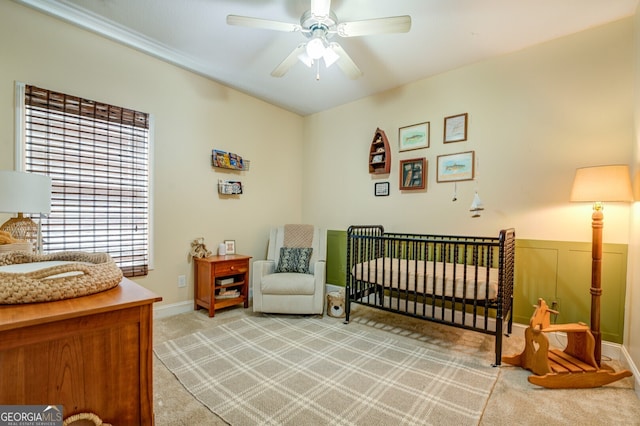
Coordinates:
(430, 278)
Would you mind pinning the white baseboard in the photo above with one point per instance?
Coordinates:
(169, 310)
(332, 287)
(634, 370)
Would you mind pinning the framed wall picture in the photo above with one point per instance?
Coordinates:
(413, 174)
(455, 128)
(415, 136)
(230, 245)
(381, 189)
(455, 167)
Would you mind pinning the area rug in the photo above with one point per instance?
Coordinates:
(274, 370)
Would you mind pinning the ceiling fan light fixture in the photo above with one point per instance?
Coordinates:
(316, 47)
(305, 59)
(330, 57)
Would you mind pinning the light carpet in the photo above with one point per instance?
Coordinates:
(274, 370)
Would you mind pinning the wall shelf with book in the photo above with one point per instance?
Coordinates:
(229, 187)
(229, 160)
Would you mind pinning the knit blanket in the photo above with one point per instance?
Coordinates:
(298, 235)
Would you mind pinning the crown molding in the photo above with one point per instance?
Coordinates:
(90, 21)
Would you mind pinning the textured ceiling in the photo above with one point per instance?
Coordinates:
(445, 34)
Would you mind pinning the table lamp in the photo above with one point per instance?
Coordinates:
(21, 193)
(600, 184)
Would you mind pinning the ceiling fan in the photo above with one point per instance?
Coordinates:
(320, 25)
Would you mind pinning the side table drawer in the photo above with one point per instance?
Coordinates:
(230, 268)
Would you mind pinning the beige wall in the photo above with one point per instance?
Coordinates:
(535, 116)
(632, 318)
(192, 116)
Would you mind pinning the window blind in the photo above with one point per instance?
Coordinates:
(97, 156)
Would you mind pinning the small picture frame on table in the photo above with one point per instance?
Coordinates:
(455, 128)
(230, 245)
(381, 189)
(413, 174)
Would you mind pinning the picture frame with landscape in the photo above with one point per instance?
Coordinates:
(415, 136)
(455, 167)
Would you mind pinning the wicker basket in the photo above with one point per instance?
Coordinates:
(15, 247)
(84, 419)
(82, 274)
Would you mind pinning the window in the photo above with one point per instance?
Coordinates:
(98, 158)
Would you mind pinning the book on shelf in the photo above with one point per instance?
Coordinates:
(224, 281)
(228, 294)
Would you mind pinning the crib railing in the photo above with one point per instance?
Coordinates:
(466, 306)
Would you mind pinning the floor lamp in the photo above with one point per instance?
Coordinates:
(600, 184)
(21, 193)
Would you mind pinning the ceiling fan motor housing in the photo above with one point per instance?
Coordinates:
(316, 26)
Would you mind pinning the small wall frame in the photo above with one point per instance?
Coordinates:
(381, 189)
(455, 128)
(413, 174)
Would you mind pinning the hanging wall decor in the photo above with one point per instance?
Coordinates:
(455, 128)
(381, 189)
(455, 167)
(413, 174)
(379, 153)
(415, 136)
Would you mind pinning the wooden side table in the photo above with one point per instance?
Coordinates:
(220, 282)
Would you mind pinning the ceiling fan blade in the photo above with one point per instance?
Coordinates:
(288, 62)
(320, 7)
(246, 21)
(345, 62)
(392, 24)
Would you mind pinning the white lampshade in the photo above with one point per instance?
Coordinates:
(330, 57)
(602, 183)
(22, 192)
(305, 59)
(315, 48)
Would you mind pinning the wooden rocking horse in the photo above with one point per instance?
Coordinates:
(574, 367)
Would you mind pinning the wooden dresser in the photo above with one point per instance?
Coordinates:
(88, 354)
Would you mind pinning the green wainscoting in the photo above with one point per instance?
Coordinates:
(337, 257)
(561, 271)
(557, 271)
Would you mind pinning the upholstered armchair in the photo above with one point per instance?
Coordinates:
(292, 278)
